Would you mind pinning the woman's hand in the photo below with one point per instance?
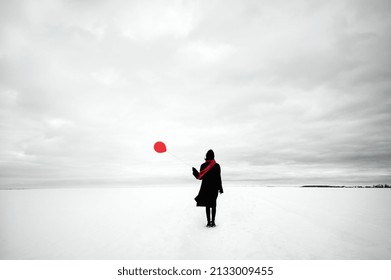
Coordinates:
(195, 172)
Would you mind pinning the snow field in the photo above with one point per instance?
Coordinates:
(163, 223)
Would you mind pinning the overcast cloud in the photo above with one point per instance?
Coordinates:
(285, 92)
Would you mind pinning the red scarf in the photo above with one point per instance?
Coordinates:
(209, 167)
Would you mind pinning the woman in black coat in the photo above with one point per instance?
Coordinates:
(210, 174)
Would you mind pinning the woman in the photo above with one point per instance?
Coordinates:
(210, 174)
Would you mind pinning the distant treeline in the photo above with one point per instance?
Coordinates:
(379, 186)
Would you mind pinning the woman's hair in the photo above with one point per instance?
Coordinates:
(210, 155)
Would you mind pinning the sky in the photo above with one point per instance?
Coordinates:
(285, 92)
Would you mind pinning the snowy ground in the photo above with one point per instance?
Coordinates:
(163, 223)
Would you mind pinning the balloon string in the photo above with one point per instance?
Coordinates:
(179, 159)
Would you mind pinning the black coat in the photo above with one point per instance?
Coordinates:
(210, 186)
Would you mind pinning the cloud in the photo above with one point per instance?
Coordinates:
(286, 93)
(201, 53)
(106, 77)
(152, 20)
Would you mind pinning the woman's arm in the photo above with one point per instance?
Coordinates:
(220, 182)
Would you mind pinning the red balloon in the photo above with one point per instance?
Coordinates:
(160, 147)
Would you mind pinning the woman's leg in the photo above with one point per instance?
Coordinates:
(207, 214)
(213, 214)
